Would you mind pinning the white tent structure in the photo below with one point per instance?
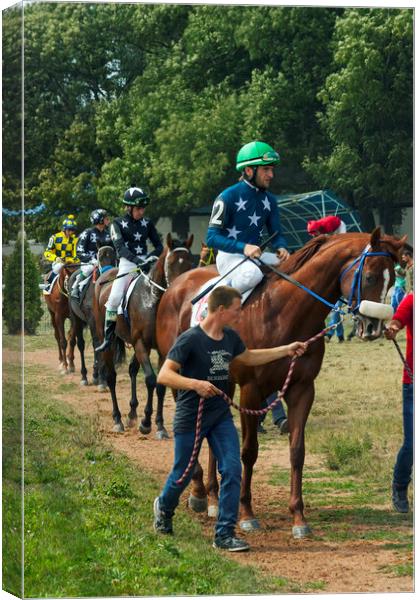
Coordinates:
(297, 209)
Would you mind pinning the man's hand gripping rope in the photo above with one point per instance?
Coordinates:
(209, 390)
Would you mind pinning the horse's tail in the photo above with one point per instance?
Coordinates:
(119, 352)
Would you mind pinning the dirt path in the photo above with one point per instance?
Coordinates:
(342, 567)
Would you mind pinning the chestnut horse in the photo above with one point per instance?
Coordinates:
(58, 306)
(139, 331)
(81, 315)
(276, 313)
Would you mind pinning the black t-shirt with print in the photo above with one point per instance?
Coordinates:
(202, 357)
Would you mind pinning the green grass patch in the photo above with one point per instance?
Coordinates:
(88, 521)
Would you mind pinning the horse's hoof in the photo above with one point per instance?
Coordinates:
(212, 511)
(131, 422)
(145, 429)
(197, 504)
(70, 370)
(118, 428)
(84, 382)
(162, 434)
(63, 371)
(301, 531)
(249, 525)
(95, 381)
(102, 387)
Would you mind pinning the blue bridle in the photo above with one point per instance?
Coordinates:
(356, 285)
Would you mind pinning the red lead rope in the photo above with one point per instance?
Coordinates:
(248, 411)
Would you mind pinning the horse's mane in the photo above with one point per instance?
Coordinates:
(301, 256)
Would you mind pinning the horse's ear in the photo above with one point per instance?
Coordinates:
(169, 241)
(374, 238)
(203, 245)
(190, 240)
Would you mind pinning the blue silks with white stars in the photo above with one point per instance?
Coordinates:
(240, 216)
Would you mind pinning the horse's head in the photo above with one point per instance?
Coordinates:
(207, 256)
(107, 256)
(368, 276)
(177, 257)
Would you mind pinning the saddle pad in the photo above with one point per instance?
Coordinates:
(199, 309)
(48, 291)
(127, 293)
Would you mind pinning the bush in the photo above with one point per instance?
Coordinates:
(12, 293)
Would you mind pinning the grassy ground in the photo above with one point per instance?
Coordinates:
(88, 529)
(87, 509)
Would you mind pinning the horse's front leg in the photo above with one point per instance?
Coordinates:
(98, 374)
(299, 399)
(81, 347)
(63, 343)
(198, 495)
(161, 431)
(133, 369)
(212, 487)
(111, 378)
(71, 342)
(143, 359)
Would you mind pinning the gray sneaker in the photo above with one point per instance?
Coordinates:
(230, 543)
(161, 523)
(399, 499)
(283, 426)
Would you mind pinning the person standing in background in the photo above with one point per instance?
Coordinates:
(407, 259)
(403, 468)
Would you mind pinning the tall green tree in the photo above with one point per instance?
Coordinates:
(21, 317)
(368, 111)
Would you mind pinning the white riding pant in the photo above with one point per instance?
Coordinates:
(86, 270)
(246, 276)
(119, 285)
(56, 267)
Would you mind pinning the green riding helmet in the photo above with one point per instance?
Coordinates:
(255, 154)
(135, 196)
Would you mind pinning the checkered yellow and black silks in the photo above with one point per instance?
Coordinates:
(60, 246)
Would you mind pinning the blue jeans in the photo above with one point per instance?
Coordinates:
(335, 318)
(278, 412)
(397, 295)
(224, 442)
(404, 464)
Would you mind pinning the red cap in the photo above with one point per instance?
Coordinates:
(325, 225)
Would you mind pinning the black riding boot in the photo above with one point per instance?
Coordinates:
(109, 336)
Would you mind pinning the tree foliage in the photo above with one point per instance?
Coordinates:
(367, 112)
(18, 314)
(162, 96)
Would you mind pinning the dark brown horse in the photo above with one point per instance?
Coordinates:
(81, 315)
(58, 306)
(276, 313)
(139, 330)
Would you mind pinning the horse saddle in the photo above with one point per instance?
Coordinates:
(47, 291)
(128, 290)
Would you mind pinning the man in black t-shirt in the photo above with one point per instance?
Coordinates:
(198, 367)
